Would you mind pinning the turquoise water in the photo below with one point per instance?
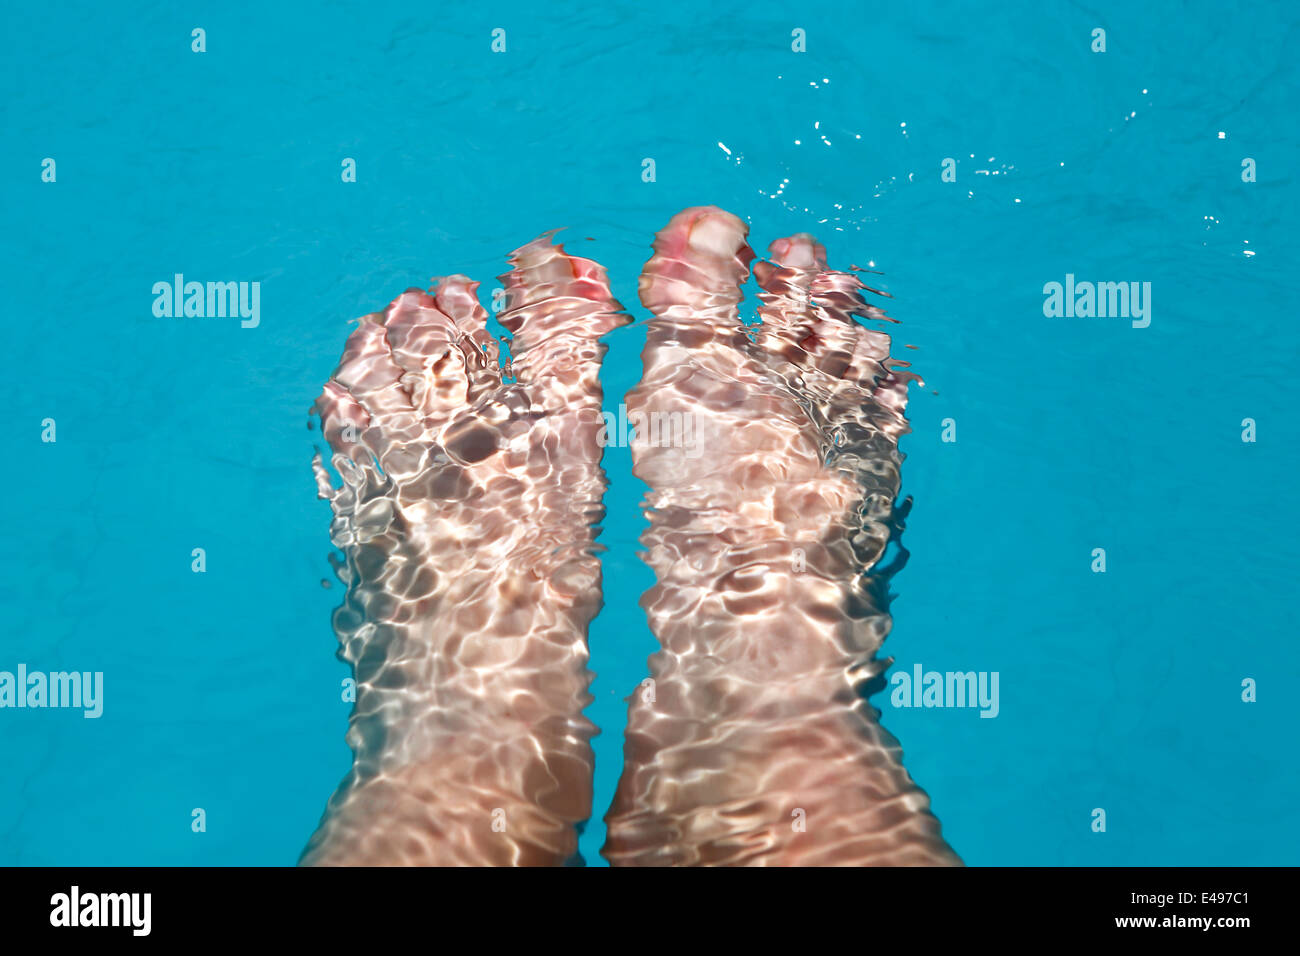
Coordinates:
(1119, 690)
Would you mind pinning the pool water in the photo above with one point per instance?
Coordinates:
(1120, 691)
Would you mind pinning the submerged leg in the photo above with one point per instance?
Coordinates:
(753, 745)
(467, 519)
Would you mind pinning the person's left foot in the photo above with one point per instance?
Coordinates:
(467, 519)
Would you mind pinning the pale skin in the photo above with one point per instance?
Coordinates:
(754, 746)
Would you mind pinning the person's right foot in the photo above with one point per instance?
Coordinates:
(754, 745)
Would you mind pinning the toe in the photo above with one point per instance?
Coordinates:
(786, 281)
(557, 308)
(845, 348)
(425, 345)
(701, 370)
(367, 370)
(700, 260)
(457, 297)
(402, 376)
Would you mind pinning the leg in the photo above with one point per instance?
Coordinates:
(756, 746)
(467, 519)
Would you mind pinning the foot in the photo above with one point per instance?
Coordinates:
(467, 520)
(753, 744)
